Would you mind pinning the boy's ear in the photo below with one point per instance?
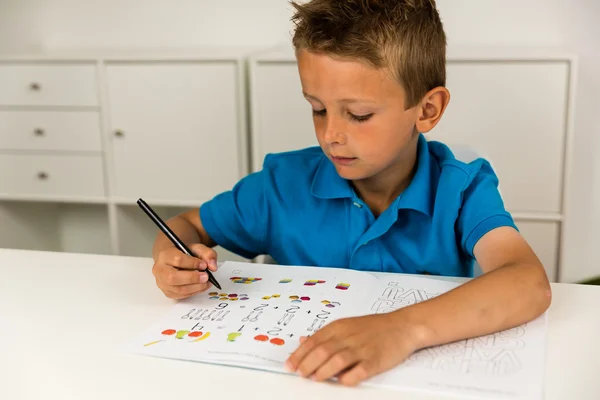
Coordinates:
(431, 108)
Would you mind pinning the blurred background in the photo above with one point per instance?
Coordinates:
(105, 101)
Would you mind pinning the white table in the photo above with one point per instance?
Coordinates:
(64, 319)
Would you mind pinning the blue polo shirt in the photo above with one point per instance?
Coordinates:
(300, 211)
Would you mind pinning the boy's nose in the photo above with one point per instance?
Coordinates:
(334, 134)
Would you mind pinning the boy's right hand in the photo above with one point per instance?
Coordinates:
(179, 284)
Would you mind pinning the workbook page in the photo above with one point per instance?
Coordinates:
(503, 365)
(257, 319)
(258, 316)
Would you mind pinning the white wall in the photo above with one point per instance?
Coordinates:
(27, 25)
(144, 23)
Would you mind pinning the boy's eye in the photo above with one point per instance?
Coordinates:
(357, 118)
(360, 118)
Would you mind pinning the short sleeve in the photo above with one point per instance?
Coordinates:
(482, 208)
(237, 220)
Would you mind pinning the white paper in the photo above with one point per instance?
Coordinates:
(504, 365)
(258, 321)
(258, 317)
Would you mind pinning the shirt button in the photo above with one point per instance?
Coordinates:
(357, 205)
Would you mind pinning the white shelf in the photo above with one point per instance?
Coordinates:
(77, 228)
(53, 199)
(156, 202)
(530, 216)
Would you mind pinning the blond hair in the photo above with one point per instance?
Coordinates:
(404, 36)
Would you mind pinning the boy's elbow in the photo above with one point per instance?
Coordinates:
(543, 288)
(545, 299)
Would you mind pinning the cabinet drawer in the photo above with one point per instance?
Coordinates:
(50, 130)
(48, 85)
(51, 175)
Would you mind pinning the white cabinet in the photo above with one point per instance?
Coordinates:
(514, 106)
(174, 129)
(82, 137)
(281, 116)
(515, 112)
(52, 186)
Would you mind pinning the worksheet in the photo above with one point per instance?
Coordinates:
(258, 317)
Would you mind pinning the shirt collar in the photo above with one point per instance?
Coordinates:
(419, 194)
(328, 184)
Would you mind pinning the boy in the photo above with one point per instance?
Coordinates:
(374, 196)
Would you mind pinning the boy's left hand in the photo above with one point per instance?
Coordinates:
(355, 349)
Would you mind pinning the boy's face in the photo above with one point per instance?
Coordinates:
(359, 115)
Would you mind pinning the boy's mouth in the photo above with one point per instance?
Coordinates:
(343, 160)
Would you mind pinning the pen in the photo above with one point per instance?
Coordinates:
(171, 235)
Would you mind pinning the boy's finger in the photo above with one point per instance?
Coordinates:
(338, 363)
(206, 254)
(189, 290)
(176, 258)
(179, 296)
(306, 346)
(212, 265)
(319, 356)
(173, 295)
(174, 277)
(357, 374)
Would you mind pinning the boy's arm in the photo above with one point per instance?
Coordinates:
(514, 289)
(179, 275)
(236, 219)
(188, 227)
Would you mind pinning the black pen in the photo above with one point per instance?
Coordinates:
(171, 235)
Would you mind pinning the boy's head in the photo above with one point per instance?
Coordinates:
(374, 72)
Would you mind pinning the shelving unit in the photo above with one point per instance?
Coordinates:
(83, 136)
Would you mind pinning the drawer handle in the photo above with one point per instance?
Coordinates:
(35, 86)
(39, 132)
(119, 133)
(42, 176)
